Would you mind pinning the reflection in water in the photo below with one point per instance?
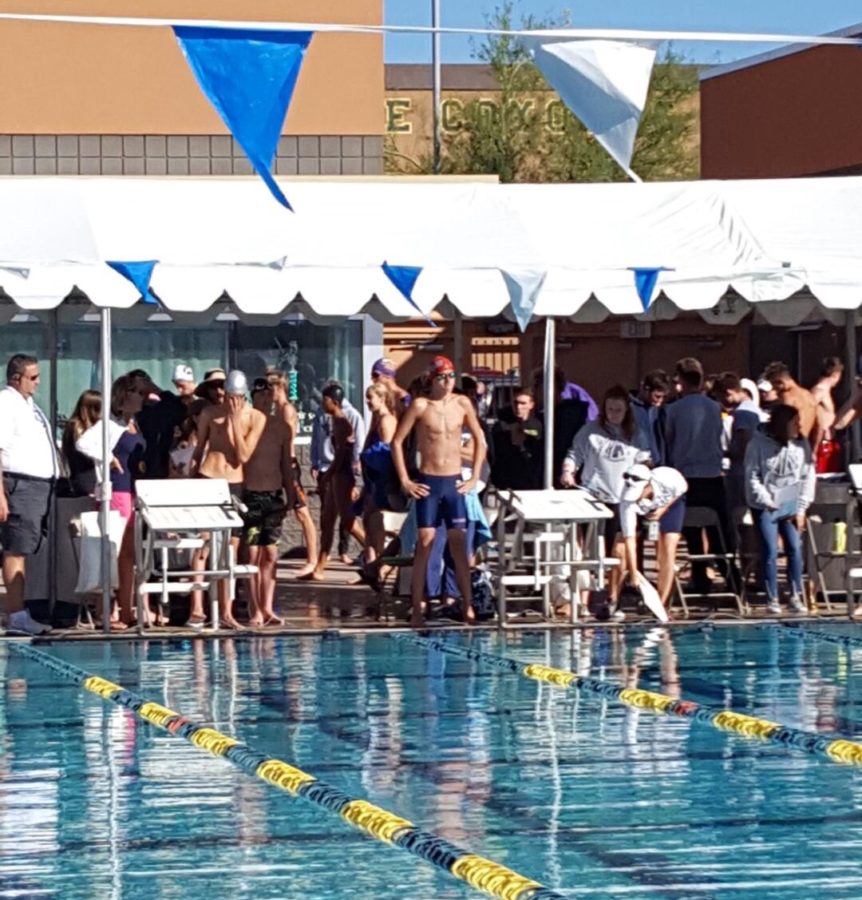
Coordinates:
(586, 795)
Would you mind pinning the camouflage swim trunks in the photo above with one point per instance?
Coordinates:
(264, 514)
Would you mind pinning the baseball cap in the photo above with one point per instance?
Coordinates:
(441, 364)
(764, 385)
(635, 479)
(183, 373)
(384, 366)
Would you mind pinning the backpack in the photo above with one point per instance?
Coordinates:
(483, 595)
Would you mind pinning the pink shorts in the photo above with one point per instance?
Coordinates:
(124, 503)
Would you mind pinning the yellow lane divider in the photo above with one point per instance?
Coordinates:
(483, 874)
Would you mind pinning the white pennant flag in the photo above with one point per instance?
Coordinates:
(604, 83)
(523, 286)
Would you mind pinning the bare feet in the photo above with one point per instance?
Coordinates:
(273, 621)
(306, 570)
(313, 575)
(256, 621)
(229, 622)
(347, 559)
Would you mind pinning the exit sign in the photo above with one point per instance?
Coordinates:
(635, 329)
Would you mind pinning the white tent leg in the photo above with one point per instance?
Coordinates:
(550, 399)
(850, 369)
(104, 511)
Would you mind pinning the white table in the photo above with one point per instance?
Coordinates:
(560, 512)
(185, 514)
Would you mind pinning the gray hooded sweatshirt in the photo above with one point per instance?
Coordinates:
(603, 454)
(778, 474)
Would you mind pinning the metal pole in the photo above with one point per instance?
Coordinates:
(104, 517)
(458, 341)
(850, 373)
(435, 83)
(54, 345)
(550, 400)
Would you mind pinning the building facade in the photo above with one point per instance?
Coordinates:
(785, 114)
(94, 100)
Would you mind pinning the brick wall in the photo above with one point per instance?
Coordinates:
(179, 154)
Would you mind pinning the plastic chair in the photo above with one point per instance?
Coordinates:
(705, 517)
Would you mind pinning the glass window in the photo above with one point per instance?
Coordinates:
(308, 354)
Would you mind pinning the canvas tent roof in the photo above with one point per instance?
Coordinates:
(794, 241)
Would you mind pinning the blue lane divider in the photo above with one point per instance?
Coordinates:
(817, 634)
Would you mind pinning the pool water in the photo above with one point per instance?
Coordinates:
(589, 797)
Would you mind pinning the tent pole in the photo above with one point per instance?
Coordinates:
(435, 85)
(850, 370)
(458, 342)
(104, 508)
(549, 399)
(53, 344)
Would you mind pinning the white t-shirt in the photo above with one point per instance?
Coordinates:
(667, 485)
(26, 446)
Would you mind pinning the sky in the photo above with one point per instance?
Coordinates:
(691, 15)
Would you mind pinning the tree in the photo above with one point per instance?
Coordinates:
(527, 134)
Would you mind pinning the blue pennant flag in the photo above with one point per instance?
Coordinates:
(523, 286)
(249, 77)
(405, 278)
(645, 284)
(139, 273)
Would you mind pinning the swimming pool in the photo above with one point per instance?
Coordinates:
(585, 795)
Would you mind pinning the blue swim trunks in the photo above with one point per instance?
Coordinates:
(443, 503)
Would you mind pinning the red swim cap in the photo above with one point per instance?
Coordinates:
(441, 364)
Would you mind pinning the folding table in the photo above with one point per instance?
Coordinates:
(185, 514)
(559, 513)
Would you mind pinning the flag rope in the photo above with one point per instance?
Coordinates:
(614, 34)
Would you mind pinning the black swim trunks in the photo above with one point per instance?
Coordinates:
(263, 517)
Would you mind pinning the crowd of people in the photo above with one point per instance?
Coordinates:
(744, 449)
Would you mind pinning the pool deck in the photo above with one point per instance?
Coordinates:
(345, 604)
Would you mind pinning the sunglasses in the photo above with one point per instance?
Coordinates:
(633, 479)
(444, 376)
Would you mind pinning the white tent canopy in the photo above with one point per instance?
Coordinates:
(785, 245)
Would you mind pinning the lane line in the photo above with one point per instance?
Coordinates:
(837, 749)
(482, 874)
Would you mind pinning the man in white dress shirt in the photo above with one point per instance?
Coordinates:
(29, 467)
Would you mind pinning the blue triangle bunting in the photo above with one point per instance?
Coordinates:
(249, 77)
(523, 286)
(139, 273)
(645, 283)
(405, 278)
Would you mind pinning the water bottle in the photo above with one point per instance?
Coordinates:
(839, 537)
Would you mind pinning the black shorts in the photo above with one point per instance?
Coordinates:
(263, 517)
(29, 503)
(613, 528)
